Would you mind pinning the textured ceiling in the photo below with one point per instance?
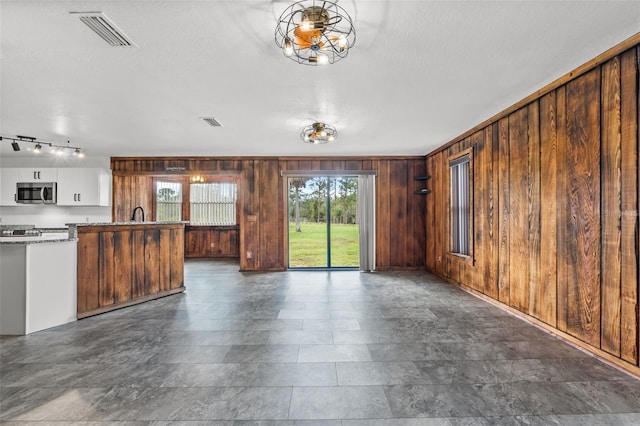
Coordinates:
(420, 74)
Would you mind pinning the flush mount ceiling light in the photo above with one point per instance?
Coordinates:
(318, 133)
(314, 32)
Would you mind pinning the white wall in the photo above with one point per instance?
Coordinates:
(43, 216)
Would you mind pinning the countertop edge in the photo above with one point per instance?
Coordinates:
(26, 241)
(79, 225)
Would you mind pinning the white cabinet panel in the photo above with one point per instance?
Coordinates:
(38, 175)
(84, 187)
(8, 180)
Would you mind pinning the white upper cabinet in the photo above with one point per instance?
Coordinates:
(84, 187)
(8, 180)
(38, 174)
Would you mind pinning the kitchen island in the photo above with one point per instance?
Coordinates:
(124, 263)
(37, 282)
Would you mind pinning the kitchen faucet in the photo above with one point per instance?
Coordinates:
(133, 216)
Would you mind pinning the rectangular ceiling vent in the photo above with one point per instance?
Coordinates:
(105, 28)
(211, 121)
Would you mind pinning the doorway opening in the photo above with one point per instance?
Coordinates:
(323, 218)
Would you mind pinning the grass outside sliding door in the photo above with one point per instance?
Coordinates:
(309, 247)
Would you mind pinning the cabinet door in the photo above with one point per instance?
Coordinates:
(38, 174)
(8, 180)
(82, 187)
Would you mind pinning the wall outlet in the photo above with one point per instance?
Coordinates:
(249, 255)
(439, 258)
(212, 245)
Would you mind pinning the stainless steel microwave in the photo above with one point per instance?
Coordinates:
(37, 193)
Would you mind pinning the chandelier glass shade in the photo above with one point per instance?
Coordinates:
(318, 133)
(315, 32)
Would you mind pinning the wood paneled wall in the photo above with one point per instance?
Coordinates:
(121, 265)
(555, 208)
(400, 214)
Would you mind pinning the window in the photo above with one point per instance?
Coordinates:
(460, 205)
(168, 201)
(213, 203)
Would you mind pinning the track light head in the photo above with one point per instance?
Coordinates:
(15, 145)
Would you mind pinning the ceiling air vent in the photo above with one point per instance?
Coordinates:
(211, 121)
(105, 28)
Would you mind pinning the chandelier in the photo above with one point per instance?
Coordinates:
(314, 32)
(318, 133)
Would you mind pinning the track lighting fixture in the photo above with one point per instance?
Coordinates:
(38, 148)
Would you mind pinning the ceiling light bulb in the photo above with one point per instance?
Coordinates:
(288, 47)
(37, 149)
(323, 60)
(342, 43)
(306, 25)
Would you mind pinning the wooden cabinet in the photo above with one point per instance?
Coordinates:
(84, 187)
(211, 241)
(38, 174)
(122, 265)
(8, 180)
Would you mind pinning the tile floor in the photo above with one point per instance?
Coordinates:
(308, 348)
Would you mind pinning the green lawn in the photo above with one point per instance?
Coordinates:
(309, 247)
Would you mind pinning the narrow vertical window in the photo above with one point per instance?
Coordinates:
(168, 201)
(460, 206)
(213, 203)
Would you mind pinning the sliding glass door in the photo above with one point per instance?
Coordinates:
(323, 222)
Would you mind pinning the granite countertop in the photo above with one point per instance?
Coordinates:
(55, 237)
(127, 223)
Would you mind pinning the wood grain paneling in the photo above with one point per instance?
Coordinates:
(490, 222)
(106, 268)
(211, 241)
(611, 207)
(582, 228)
(518, 210)
(536, 300)
(503, 209)
(563, 231)
(562, 203)
(122, 258)
(430, 217)
(120, 265)
(137, 275)
(88, 263)
(262, 199)
(630, 189)
(546, 287)
(151, 261)
(165, 253)
(177, 258)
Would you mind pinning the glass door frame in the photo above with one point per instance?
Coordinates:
(315, 174)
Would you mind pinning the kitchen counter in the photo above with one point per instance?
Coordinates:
(125, 263)
(37, 283)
